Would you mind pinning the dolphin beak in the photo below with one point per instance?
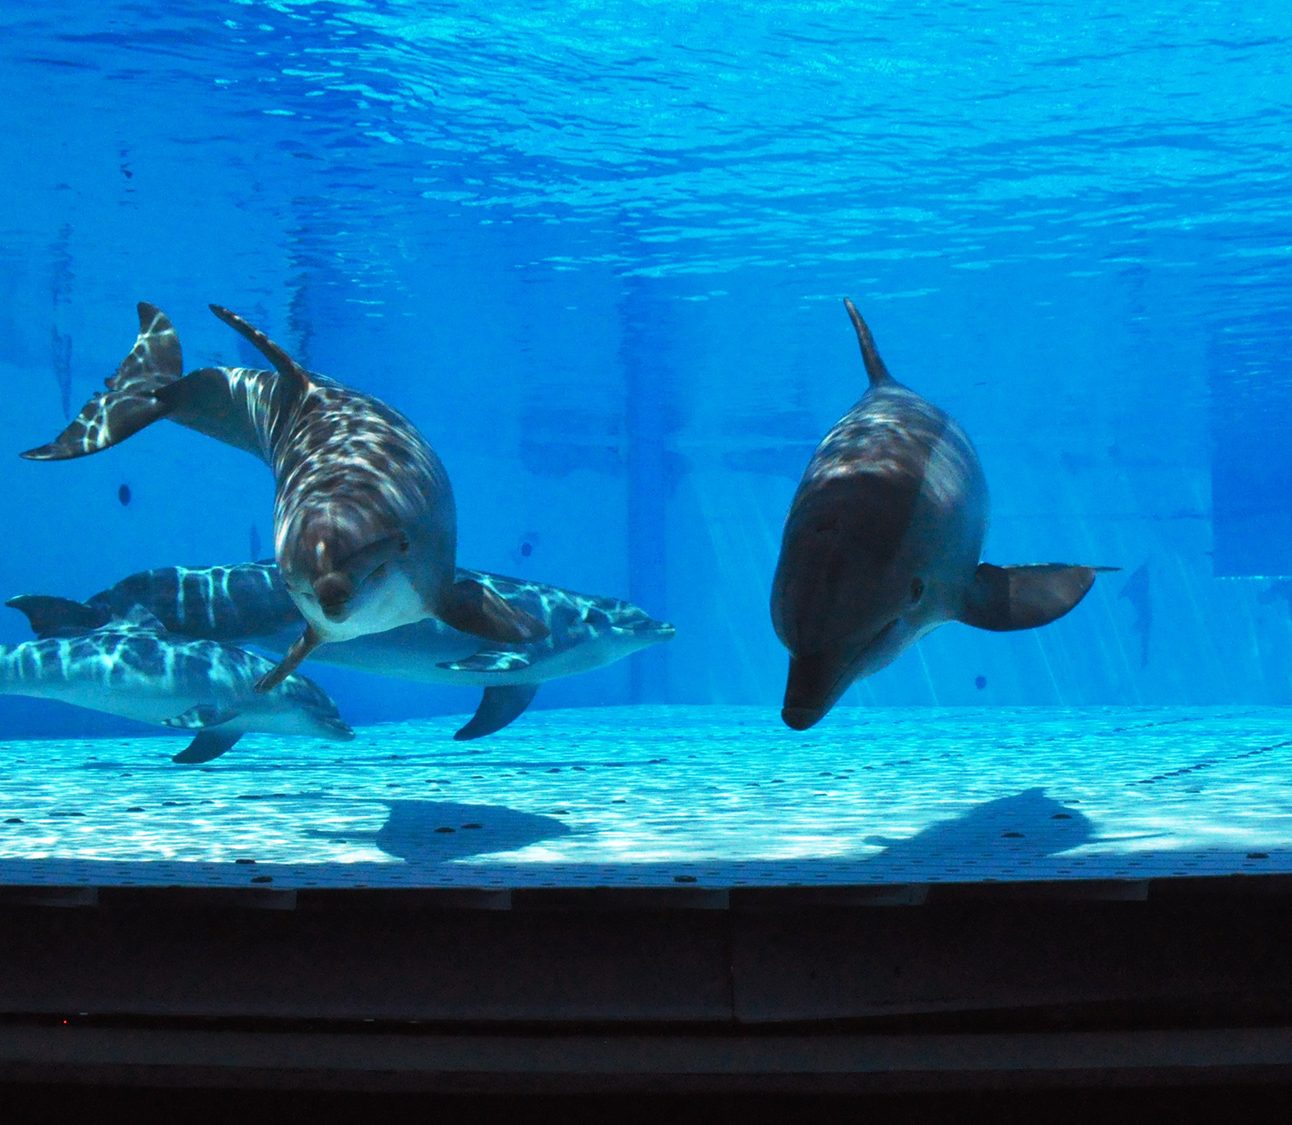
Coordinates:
(813, 685)
(334, 592)
(800, 718)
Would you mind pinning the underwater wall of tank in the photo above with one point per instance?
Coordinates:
(598, 256)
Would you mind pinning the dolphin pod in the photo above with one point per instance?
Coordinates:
(247, 603)
(882, 543)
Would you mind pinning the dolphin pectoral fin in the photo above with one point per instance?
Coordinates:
(489, 661)
(50, 616)
(206, 746)
(306, 643)
(498, 707)
(129, 403)
(472, 608)
(199, 717)
(1002, 598)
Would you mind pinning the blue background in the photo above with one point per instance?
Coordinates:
(596, 251)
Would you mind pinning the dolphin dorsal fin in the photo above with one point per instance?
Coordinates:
(287, 367)
(875, 368)
(51, 616)
(156, 356)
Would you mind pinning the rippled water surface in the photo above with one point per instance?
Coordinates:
(676, 138)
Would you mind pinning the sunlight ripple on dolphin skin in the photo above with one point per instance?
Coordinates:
(365, 524)
(133, 667)
(250, 604)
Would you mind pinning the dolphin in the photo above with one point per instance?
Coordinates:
(882, 544)
(130, 666)
(249, 604)
(365, 526)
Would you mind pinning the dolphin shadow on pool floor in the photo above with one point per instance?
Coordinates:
(429, 832)
(1025, 826)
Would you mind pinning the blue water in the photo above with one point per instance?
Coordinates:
(672, 796)
(597, 252)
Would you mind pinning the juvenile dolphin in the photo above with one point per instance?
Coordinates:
(133, 668)
(248, 603)
(365, 527)
(882, 544)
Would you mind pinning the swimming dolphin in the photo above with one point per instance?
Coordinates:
(365, 527)
(882, 544)
(249, 604)
(133, 668)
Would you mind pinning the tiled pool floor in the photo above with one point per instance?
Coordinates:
(633, 796)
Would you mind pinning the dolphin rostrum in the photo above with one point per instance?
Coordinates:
(365, 527)
(130, 666)
(249, 604)
(882, 544)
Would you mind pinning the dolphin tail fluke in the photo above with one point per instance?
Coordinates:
(498, 707)
(49, 616)
(1003, 598)
(473, 608)
(129, 403)
(208, 745)
(306, 643)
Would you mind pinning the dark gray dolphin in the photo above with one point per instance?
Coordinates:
(248, 604)
(132, 667)
(882, 544)
(365, 527)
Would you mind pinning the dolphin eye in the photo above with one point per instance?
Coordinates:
(917, 590)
